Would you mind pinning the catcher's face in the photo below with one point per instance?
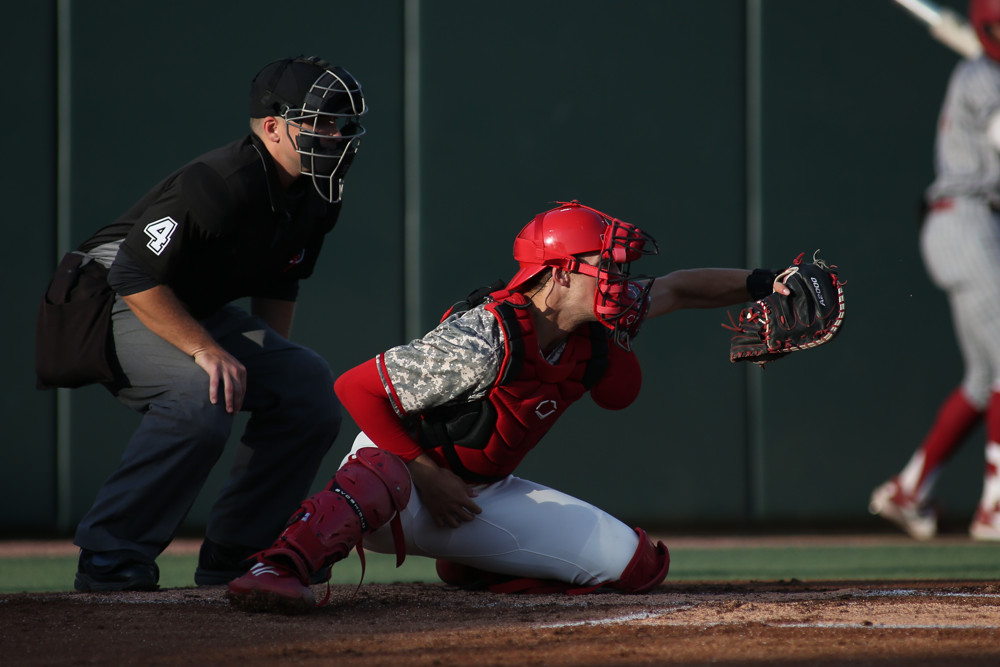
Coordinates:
(582, 285)
(616, 301)
(602, 288)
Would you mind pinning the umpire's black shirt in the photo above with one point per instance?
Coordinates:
(220, 228)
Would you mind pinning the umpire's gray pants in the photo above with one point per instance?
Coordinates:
(295, 417)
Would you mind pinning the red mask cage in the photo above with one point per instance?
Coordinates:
(621, 299)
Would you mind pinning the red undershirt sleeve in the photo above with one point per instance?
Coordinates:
(621, 382)
(361, 392)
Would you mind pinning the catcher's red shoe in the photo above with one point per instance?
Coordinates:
(271, 587)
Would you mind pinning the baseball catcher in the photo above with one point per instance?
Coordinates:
(812, 314)
(447, 418)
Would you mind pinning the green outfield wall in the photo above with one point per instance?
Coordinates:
(739, 133)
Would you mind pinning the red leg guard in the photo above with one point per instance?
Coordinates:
(648, 567)
(363, 496)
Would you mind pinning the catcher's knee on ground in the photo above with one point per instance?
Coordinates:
(367, 492)
(646, 570)
(648, 567)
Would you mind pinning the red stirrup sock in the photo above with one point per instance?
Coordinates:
(955, 418)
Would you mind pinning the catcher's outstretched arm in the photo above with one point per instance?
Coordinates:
(701, 288)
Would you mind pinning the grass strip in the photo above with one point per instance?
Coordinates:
(916, 561)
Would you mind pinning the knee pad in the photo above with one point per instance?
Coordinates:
(377, 481)
(366, 493)
(648, 567)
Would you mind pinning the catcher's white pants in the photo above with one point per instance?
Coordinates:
(525, 529)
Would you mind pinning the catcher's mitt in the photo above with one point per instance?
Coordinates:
(811, 315)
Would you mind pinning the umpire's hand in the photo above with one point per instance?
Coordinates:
(225, 370)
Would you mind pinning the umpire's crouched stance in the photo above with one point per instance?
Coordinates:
(245, 220)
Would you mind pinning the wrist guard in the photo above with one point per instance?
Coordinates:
(760, 283)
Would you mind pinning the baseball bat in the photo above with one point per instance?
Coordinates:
(947, 27)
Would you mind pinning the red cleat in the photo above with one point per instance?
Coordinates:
(271, 588)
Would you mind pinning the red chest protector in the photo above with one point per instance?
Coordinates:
(485, 440)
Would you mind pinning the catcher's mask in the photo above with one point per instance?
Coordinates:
(556, 237)
(325, 104)
(981, 13)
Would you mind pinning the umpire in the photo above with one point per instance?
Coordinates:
(245, 220)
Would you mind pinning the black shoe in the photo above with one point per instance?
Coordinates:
(100, 571)
(218, 565)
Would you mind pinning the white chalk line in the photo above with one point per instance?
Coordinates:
(627, 618)
(662, 616)
(904, 592)
(891, 626)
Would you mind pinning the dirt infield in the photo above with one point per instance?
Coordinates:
(740, 623)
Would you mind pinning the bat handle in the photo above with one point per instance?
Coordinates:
(955, 33)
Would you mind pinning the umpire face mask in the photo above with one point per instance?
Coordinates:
(329, 130)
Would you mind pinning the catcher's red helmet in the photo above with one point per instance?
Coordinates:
(554, 236)
(982, 12)
(557, 237)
